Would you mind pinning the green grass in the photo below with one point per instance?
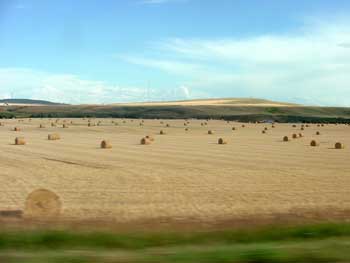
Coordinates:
(306, 243)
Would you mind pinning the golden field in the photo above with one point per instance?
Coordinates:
(182, 175)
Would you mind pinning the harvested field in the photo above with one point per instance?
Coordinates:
(179, 176)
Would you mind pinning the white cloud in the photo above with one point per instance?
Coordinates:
(312, 63)
(67, 88)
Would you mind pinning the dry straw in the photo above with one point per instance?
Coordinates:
(339, 145)
(149, 137)
(145, 141)
(42, 204)
(106, 144)
(20, 141)
(222, 141)
(314, 143)
(53, 137)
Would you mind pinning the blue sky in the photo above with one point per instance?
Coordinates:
(145, 50)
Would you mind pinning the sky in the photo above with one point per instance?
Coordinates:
(107, 51)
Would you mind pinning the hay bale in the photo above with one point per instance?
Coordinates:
(339, 145)
(222, 141)
(42, 204)
(162, 132)
(263, 131)
(314, 143)
(186, 129)
(168, 125)
(301, 135)
(1, 124)
(295, 136)
(20, 141)
(273, 126)
(16, 129)
(243, 126)
(53, 137)
(318, 133)
(145, 141)
(302, 128)
(210, 132)
(294, 126)
(64, 125)
(53, 124)
(42, 126)
(285, 139)
(106, 144)
(233, 128)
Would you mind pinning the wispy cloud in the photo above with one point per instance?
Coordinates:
(35, 84)
(312, 63)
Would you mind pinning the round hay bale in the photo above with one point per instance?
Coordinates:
(314, 143)
(222, 141)
(186, 129)
(145, 141)
(301, 135)
(42, 126)
(285, 139)
(294, 136)
(273, 126)
(42, 204)
(302, 128)
(243, 126)
(233, 128)
(210, 132)
(263, 131)
(53, 137)
(20, 141)
(64, 125)
(339, 145)
(318, 133)
(168, 125)
(294, 126)
(106, 144)
(17, 129)
(53, 124)
(162, 132)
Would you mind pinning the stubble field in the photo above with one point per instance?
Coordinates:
(182, 175)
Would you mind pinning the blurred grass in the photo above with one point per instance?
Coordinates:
(307, 243)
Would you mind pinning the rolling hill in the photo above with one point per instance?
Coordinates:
(229, 109)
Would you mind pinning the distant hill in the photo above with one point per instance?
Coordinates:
(228, 109)
(28, 102)
(214, 102)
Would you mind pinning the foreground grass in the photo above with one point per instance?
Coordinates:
(312, 243)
